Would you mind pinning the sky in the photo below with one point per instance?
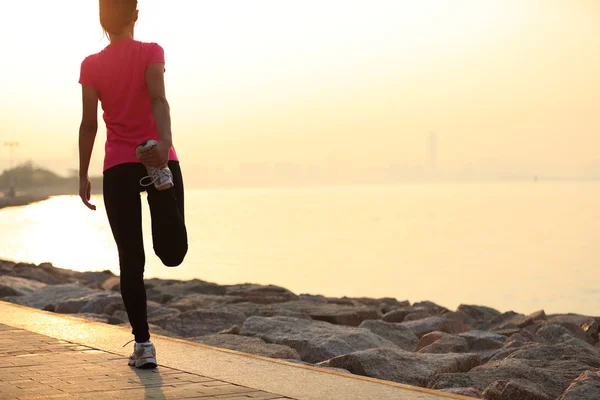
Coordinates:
(338, 89)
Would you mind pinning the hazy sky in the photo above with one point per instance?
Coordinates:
(327, 82)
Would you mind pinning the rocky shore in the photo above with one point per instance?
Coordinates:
(475, 351)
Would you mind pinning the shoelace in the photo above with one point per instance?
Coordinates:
(156, 175)
(128, 342)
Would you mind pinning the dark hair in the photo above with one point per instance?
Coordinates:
(115, 15)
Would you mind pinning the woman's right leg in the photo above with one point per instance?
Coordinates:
(123, 206)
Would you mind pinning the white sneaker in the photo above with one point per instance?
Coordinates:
(144, 356)
(162, 178)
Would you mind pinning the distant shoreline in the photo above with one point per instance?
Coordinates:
(22, 200)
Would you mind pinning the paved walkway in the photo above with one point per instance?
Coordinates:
(44, 355)
(34, 366)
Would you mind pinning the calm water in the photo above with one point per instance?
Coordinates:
(511, 246)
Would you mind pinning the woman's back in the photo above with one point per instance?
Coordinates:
(118, 73)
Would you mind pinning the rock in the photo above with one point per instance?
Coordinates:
(526, 336)
(460, 316)
(315, 341)
(55, 294)
(576, 319)
(250, 345)
(554, 334)
(234, 330)
(592, 328)
(332, 313)
(431, 307)
(6, 291)
(162, 312)
(118, 317)
(549, 368)
(94, 279)
(44, 273)
(394, 364)
(350, 318)
(432, 324)
(401, 336)
(384, 305)
(577, 331)
(482, 341)
(479, 313)
(295, 309)
(585, 387)
(260, 294)
(112, 284)
(512, 389)
(428, 339)
(397, 315)
(15, 286)
(104, 303)
(497, 322)
(521, 321)
(312, 298)
(415, 316)
(467, 392)
(199, 322)
(340, 302)
(199, 301)
(176, 288)
(447, 344)
(509, 332)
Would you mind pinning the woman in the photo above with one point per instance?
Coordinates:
(127, 78)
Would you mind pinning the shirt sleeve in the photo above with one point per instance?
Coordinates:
(156, 55)
(85, 73)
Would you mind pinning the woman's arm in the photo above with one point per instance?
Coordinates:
(87, 136)
(155, 79)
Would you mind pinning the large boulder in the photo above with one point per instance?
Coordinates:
(384, 305)
(251, 345)
(15, 286)
(394, 364)
(483, 341)
(447, 344)
(554, 334)
(508, 389)
(333, 313)
(398, 334)
(103, 303)
(199, 322)
(585, 387)
(197, 301)
(260, 294)
(549, 368)
(174, 288)
(49, 296)
(315, 341)
(480, 314)
(432, 324)
(428, 339)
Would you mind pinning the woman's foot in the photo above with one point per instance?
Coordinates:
(161, 177)
(144, 356)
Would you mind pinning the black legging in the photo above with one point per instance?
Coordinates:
(121, 187)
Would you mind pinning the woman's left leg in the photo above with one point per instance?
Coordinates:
(169, 233)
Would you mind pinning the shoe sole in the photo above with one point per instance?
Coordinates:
(148, 363)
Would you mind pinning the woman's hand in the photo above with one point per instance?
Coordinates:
(85, 189)
(157, 156)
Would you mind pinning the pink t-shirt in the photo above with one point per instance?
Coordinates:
(118, 73)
